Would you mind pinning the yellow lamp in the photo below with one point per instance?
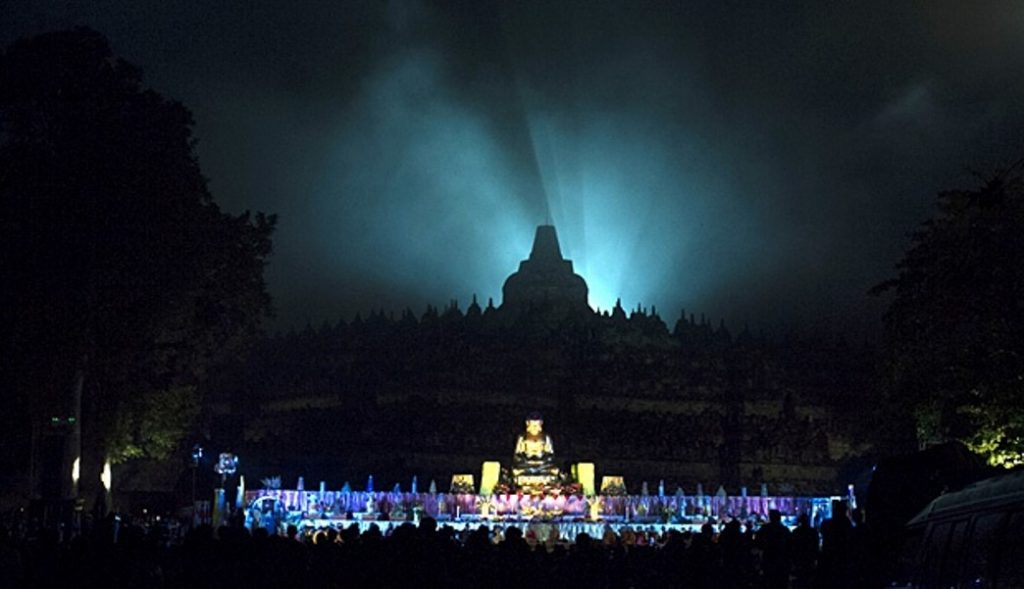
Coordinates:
(462, 483)
(613, 485)
(489, 475)
(585, 476)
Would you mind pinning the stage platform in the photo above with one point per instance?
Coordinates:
(571, 514)
(567, 530)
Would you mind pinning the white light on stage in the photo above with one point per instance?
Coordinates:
(76, 470)
(240, 496)
(105, 476)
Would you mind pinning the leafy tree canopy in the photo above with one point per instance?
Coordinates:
(955, 326)
(124, 270)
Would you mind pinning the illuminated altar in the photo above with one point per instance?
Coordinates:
(312, 510)
(534, 491)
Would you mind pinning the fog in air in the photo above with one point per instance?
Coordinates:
(761, 166)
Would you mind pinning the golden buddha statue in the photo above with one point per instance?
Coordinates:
(533, 464)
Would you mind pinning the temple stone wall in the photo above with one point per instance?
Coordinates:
(436, 394)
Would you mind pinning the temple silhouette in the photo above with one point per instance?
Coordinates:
(545, 279)
(440, 392)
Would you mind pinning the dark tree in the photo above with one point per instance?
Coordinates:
(121, 275)
(955, 326)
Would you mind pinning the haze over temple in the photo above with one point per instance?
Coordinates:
(241, 343)
(691, 404)
(546, 278)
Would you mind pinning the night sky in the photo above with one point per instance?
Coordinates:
(758, 163)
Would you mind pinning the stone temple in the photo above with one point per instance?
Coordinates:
(545, 278)
(441, 391)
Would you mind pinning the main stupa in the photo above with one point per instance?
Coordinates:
(545, 279)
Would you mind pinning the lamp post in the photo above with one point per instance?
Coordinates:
(197, 455)
(227, 464)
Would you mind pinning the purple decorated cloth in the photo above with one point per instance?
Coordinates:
(511, 505)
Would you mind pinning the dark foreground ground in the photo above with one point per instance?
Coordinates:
(425, 556)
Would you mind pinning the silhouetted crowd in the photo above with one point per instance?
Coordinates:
(769, 557)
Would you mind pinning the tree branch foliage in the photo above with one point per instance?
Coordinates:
(121, 262)
(955, 326)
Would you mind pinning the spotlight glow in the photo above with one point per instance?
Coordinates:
(448, 203)
(600, 181)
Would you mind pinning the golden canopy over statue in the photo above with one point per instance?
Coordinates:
(533, 464)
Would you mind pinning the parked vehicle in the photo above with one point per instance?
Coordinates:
(972, 538)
